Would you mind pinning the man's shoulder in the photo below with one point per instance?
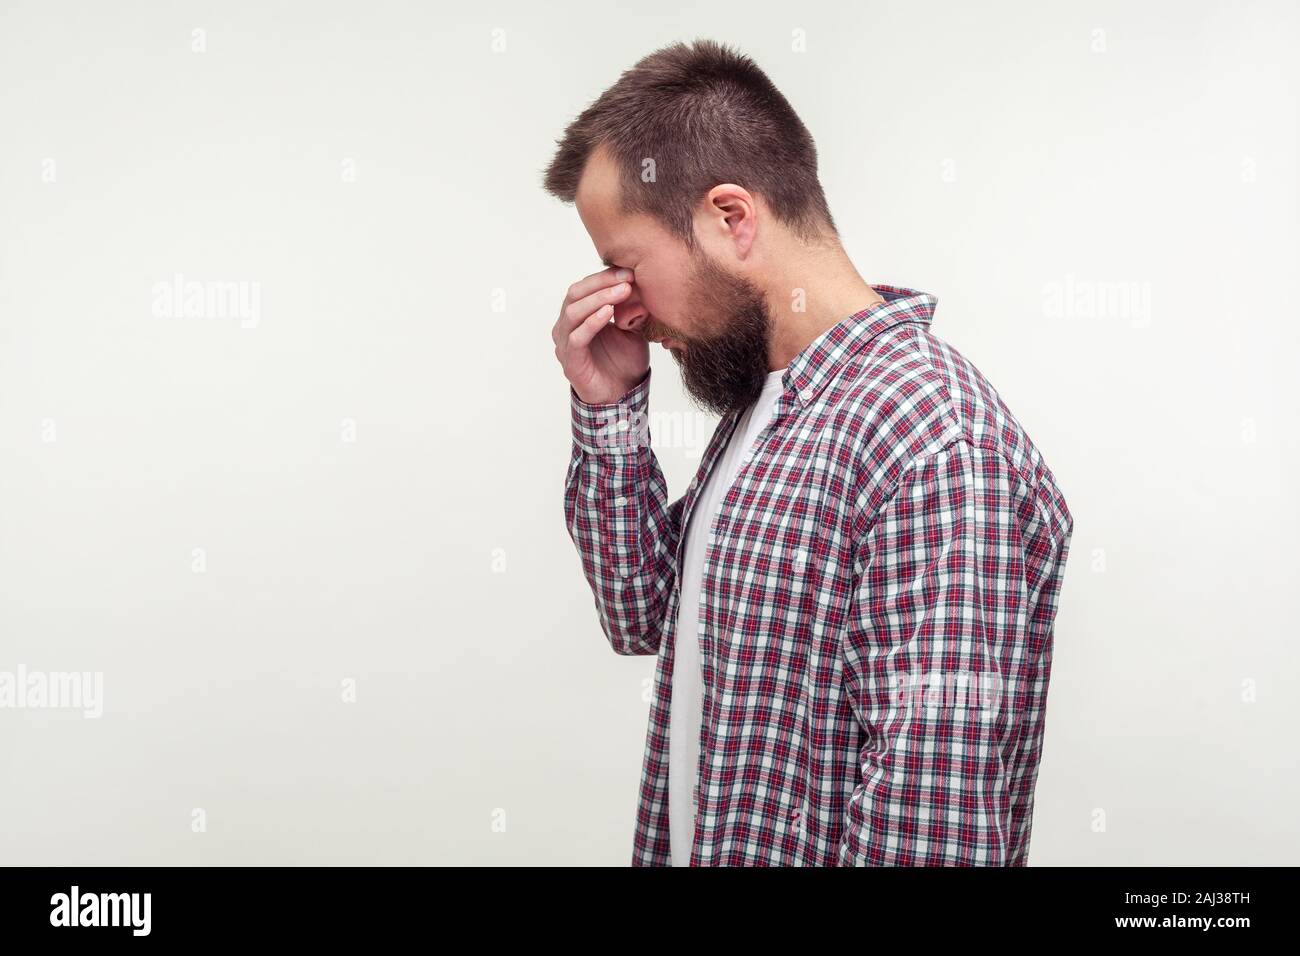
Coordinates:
(896, 398)
(910, 394)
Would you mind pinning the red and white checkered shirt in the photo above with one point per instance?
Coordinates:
(876, 613)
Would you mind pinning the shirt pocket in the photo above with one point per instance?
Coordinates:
(812, 550)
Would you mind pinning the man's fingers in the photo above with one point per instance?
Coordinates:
(577, 312)
(597, 280)
(581, 337)
(585, 298)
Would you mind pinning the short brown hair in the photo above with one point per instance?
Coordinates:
(706, 115)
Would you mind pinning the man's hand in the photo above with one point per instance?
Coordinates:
(601, 361)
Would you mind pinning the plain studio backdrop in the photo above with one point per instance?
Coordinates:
(306, 522)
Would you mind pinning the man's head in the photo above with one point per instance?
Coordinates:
(695, 173)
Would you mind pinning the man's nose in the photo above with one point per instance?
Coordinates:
(630, 316)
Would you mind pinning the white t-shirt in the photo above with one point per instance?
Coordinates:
(687, 708)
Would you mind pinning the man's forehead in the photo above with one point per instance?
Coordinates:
(599, 183)
(597, 199)
(617, 235)
(612, 235)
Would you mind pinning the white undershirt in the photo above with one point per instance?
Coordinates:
(686, 710)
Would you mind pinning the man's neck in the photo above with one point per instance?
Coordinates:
(816, 289)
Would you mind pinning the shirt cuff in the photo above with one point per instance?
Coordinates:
(613, 428)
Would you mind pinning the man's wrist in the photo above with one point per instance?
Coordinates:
(613, 400)
(620, 427)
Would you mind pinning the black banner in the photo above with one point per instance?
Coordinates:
(336, 905)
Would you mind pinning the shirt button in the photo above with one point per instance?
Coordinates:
(622, 424)
(749, 456)
(620, 502)
(806, 395)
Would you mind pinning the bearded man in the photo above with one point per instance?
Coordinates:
(852, 604)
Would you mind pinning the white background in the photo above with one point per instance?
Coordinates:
(375, 169)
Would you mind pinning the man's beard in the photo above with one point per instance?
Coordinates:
(724, 372)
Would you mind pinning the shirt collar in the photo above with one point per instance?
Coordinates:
(819, 362)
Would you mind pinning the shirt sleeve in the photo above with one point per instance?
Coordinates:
(617, 512)
(945, 675)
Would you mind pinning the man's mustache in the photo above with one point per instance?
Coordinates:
(655, 332)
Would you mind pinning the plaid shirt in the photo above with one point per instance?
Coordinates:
(876, 613)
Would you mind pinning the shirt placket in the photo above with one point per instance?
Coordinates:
(704, 628)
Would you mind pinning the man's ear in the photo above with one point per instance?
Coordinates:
(730, 218)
